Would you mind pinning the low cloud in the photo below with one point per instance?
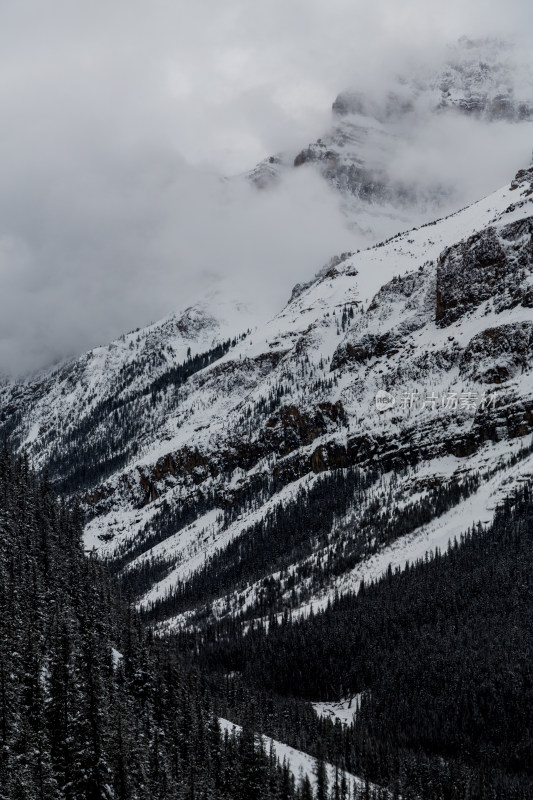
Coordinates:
(120, 120)
(467, 157)
(146, 237)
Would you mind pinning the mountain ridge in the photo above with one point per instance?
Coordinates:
(375, 128)
(445, 309)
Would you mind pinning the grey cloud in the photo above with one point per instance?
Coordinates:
(119, 119)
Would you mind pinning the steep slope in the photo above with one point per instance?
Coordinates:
(437, 656)
(91, 706)
(374, 130)
(106, 402)
(393, 389)
(441, 319)
(301, 763)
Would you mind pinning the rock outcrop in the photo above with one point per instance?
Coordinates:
(495, 266)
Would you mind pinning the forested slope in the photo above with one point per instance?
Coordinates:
(91, 707)
(441, 655)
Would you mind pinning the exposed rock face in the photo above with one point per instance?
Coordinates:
(495, 266)
(438, 317)
(291, 428)
(478, 79)
(267, 171)
(414, 294)
(367, 347)
(498, 354)
(351, 176)
(522, 178)
(370, 133)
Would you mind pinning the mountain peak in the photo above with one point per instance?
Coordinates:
(378, 154)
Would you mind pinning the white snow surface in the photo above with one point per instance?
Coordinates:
(424, 541)
(117, 657)
(478, 508)
(302, 339)
(344, 710)
(300, 763)
(226, 407)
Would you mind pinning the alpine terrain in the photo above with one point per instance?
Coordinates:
(309, 538)
(369, 154)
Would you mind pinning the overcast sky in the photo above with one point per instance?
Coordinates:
(119, 116)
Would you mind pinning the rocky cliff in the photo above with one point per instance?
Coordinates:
(393, 390)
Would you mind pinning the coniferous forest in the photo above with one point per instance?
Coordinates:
(94, 705)
(266, 401)
(440, 655)
(91, 706)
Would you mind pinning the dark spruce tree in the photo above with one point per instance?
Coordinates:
(92, 707)
(440, 654)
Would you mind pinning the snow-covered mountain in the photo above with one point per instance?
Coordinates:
(441, 319)
(385, 409)
(371, 153)
(102, 403)
(232, 464)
